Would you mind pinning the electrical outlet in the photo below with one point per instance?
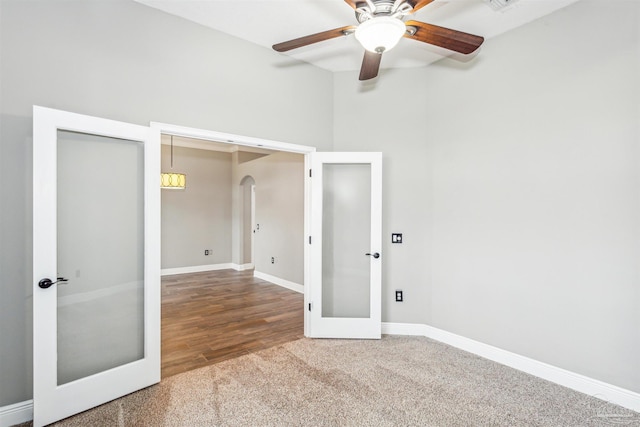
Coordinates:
(207, 251)
(273, 260)
(399, 297)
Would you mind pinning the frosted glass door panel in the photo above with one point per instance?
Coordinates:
(100, 228)
(346, 238)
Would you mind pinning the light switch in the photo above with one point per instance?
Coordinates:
(396, 238)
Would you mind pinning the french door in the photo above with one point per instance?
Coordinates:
(96, 261)
(344, 299)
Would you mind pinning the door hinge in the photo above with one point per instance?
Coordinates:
(309, 239)
(309, 306)
(309, 173)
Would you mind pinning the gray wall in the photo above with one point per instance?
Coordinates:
(514, 177)
(279, 180)
(124, 61)
(198, 217)
(515, 180)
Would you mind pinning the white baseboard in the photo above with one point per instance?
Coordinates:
(592, 387)
(23, 411)
(16, 414)
(198, 268)
(243, 267)
(280, 282)
(404, 329)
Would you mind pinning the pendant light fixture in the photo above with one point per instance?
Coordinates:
(172, 180)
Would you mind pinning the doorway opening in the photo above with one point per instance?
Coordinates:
(253, 250)
(247, 217)
(212, 316)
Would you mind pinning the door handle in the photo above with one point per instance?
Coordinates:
(46, 282)
(376, 255)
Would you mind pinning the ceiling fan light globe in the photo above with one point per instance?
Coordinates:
(380, 34)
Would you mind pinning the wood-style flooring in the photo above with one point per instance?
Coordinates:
(217, 315)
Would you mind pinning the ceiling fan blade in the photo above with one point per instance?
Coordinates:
(418, 4)
(353, 3)
(314, 38)
(370, 65)
(444, 37)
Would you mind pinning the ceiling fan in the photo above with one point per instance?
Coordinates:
(380, 28)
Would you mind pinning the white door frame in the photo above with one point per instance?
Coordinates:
(369, 327)
(253, 225)
(248, 141)
(53, 402)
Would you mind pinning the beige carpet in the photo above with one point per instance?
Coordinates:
(396, 381)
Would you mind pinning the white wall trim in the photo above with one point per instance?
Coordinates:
(243, 267)
(280, 282)
(198, 268)
(228, 138)
(16, 414)
(404, 329)
(592, 387)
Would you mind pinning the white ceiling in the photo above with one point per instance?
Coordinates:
(266, 22)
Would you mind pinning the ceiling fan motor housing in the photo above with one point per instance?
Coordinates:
(364, 11)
